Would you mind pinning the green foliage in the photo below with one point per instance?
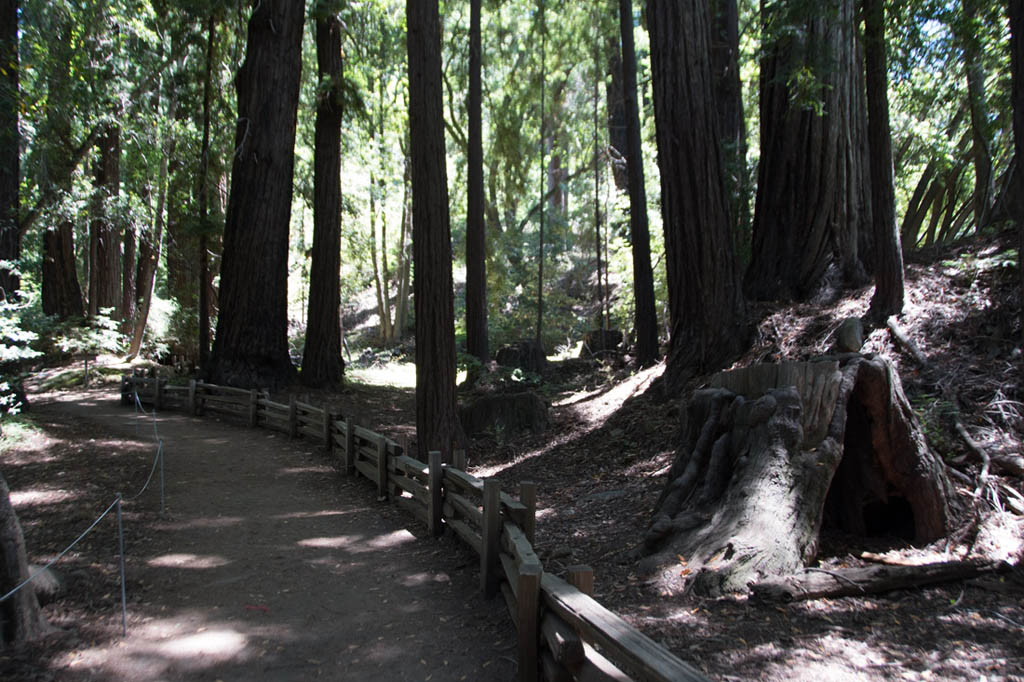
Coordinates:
(92, 337)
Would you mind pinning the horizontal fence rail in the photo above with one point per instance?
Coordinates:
(563, 632)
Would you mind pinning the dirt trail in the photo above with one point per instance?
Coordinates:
(268, 565)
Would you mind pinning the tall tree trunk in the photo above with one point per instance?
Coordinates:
(105, 270)
(251, 345)
(1016, 12)
(618, 110)
(402, 306)
(476, 248)
(645, 315)
(322, 364)
(379, 285)
(981, 149)
(602, 292)
(61, 292)
(437, 420)
(725, 48)
(205, 279)
(150, 246)
(10, 138)
(888, 297)
(803, 140)
(543, 173)
(22, 620)
(706, 307)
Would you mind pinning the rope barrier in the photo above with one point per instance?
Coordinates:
(115, 503)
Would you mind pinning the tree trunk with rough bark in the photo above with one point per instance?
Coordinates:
(437, 419)
(770, 453)
(251, 346)
(105, 270)
(321, 360)
(705, 302)
(10, 163)
(20, 616)
(476, 238)
(981, 134)
(645, 316)
(725, 48)
(61, 292)
(888, 297)
(1016, 12)
(806, 82)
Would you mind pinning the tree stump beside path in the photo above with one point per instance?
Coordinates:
(771, 452)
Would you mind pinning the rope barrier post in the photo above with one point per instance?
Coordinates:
(350, 446)
(293, 418)
(160, 454)
(382, 468)
(528, 496)
(191, 396)
(200, 403)
(158, 394)
(328, 432)
(489, 561)
(124, 594)
(434, 473)
(254, 406)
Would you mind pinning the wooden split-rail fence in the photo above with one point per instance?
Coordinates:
(563, 633)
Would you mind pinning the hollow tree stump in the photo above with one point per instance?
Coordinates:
(771, 450)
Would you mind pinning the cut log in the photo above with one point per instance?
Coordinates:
(526, 355)
(20, 617)
(510, 413)
(849, 582)
(770, 452)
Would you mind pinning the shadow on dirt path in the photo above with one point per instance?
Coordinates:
(268, 565)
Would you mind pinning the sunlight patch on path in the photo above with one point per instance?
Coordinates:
(188, 561)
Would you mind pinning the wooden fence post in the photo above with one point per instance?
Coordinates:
(459, 459)
(489, 561)
(254, 407)
(350, 446)
(582, 578)
(293, 418)
(434, 473)
(528, 496)
(158, 394)
(328, 431)
(382, 468)
(191, 396)
(527, 616)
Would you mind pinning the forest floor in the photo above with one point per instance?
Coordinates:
(600, 467)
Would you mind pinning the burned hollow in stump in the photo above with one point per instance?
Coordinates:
(771, 450)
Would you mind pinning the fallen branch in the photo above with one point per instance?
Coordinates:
(816, 584)
(903, 340)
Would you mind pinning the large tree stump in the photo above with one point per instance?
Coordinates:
(770, 451)
(512, 413)
(526, 355)
(20, 617)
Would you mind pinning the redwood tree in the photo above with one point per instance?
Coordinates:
(251, 345)
(10, 237)
(705, 303)
(437, 424)
(645, 316)
(321, 358)
(61, 293)
(888, 297)
(476, 250)
(804, 178)
(1016, 12)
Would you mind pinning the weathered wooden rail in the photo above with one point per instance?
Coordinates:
(563, 633)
